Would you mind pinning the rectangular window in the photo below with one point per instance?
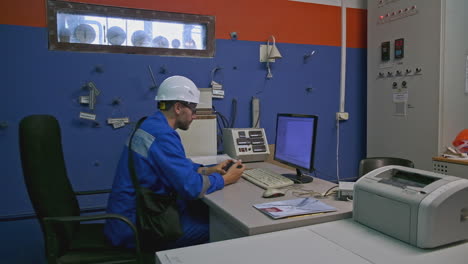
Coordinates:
(95, 28)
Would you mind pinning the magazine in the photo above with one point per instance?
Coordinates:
(294, 207)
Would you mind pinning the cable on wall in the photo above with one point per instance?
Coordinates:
(343, 57)
(338, 150)
(233, 112)
(341, 114)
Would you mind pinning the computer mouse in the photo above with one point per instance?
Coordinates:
(272, 192)
(229, 165)
(226, 168)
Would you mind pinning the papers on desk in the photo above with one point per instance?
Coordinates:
(455, 157)
(295, 207)
(210, 160)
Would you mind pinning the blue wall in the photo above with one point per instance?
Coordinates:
(35, 80)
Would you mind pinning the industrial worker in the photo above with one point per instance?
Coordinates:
(162, 166)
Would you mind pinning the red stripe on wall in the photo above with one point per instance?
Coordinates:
(23, 13)
(253, 20)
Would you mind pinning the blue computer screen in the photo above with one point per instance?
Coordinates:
(295, 140)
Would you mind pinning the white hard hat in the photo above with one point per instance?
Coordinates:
(178, 88)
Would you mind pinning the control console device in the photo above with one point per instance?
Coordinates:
(246, 144)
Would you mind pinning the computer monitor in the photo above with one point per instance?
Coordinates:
(295, 144)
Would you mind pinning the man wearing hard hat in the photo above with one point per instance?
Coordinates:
(161, 165)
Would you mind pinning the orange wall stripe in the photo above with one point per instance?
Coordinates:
(253, 20)
(23, 13)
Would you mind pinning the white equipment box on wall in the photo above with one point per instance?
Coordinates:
(200, 138)
(417, 87)
(247, 144)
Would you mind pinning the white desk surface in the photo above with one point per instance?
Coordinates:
(343, 241)
(234, 203)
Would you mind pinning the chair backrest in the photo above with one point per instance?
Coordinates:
(369, 164)
(44, 171)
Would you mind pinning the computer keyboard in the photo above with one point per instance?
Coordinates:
(266, 178)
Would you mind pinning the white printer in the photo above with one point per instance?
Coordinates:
(422, 208)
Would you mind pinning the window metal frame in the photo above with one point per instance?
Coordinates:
(53, 6)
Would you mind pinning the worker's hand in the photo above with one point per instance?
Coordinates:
(219, 168)
(223, 166)
(234, 173)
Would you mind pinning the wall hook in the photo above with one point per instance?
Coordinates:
(116, 101)
(163, 69)
(308, 55)
(98, 69)
(3, 125)
(96, 124)
(309, 89)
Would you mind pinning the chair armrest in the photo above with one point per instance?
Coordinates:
(85, 218)
(93, 192)
(49, 221)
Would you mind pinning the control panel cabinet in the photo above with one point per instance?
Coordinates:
(247, 144)
(417, 76)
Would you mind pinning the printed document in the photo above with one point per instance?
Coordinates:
(301, 206)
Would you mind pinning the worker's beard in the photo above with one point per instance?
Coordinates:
(184, 125)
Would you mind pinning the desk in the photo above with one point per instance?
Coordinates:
(232, 214)
(342, 241)
(453, 167)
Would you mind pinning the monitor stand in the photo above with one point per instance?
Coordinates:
(299, 177)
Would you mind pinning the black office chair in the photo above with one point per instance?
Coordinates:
(369, 164)
(67, 239)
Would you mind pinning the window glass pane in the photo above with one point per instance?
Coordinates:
(168, 34)
(82, 24)
(130, 32)
(116, 31)
(136, 33)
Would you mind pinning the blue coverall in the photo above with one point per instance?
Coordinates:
(162, 166)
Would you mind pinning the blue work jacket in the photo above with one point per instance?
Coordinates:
(162, 166)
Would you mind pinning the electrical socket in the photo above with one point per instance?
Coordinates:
(345, 190)
(342, 116)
